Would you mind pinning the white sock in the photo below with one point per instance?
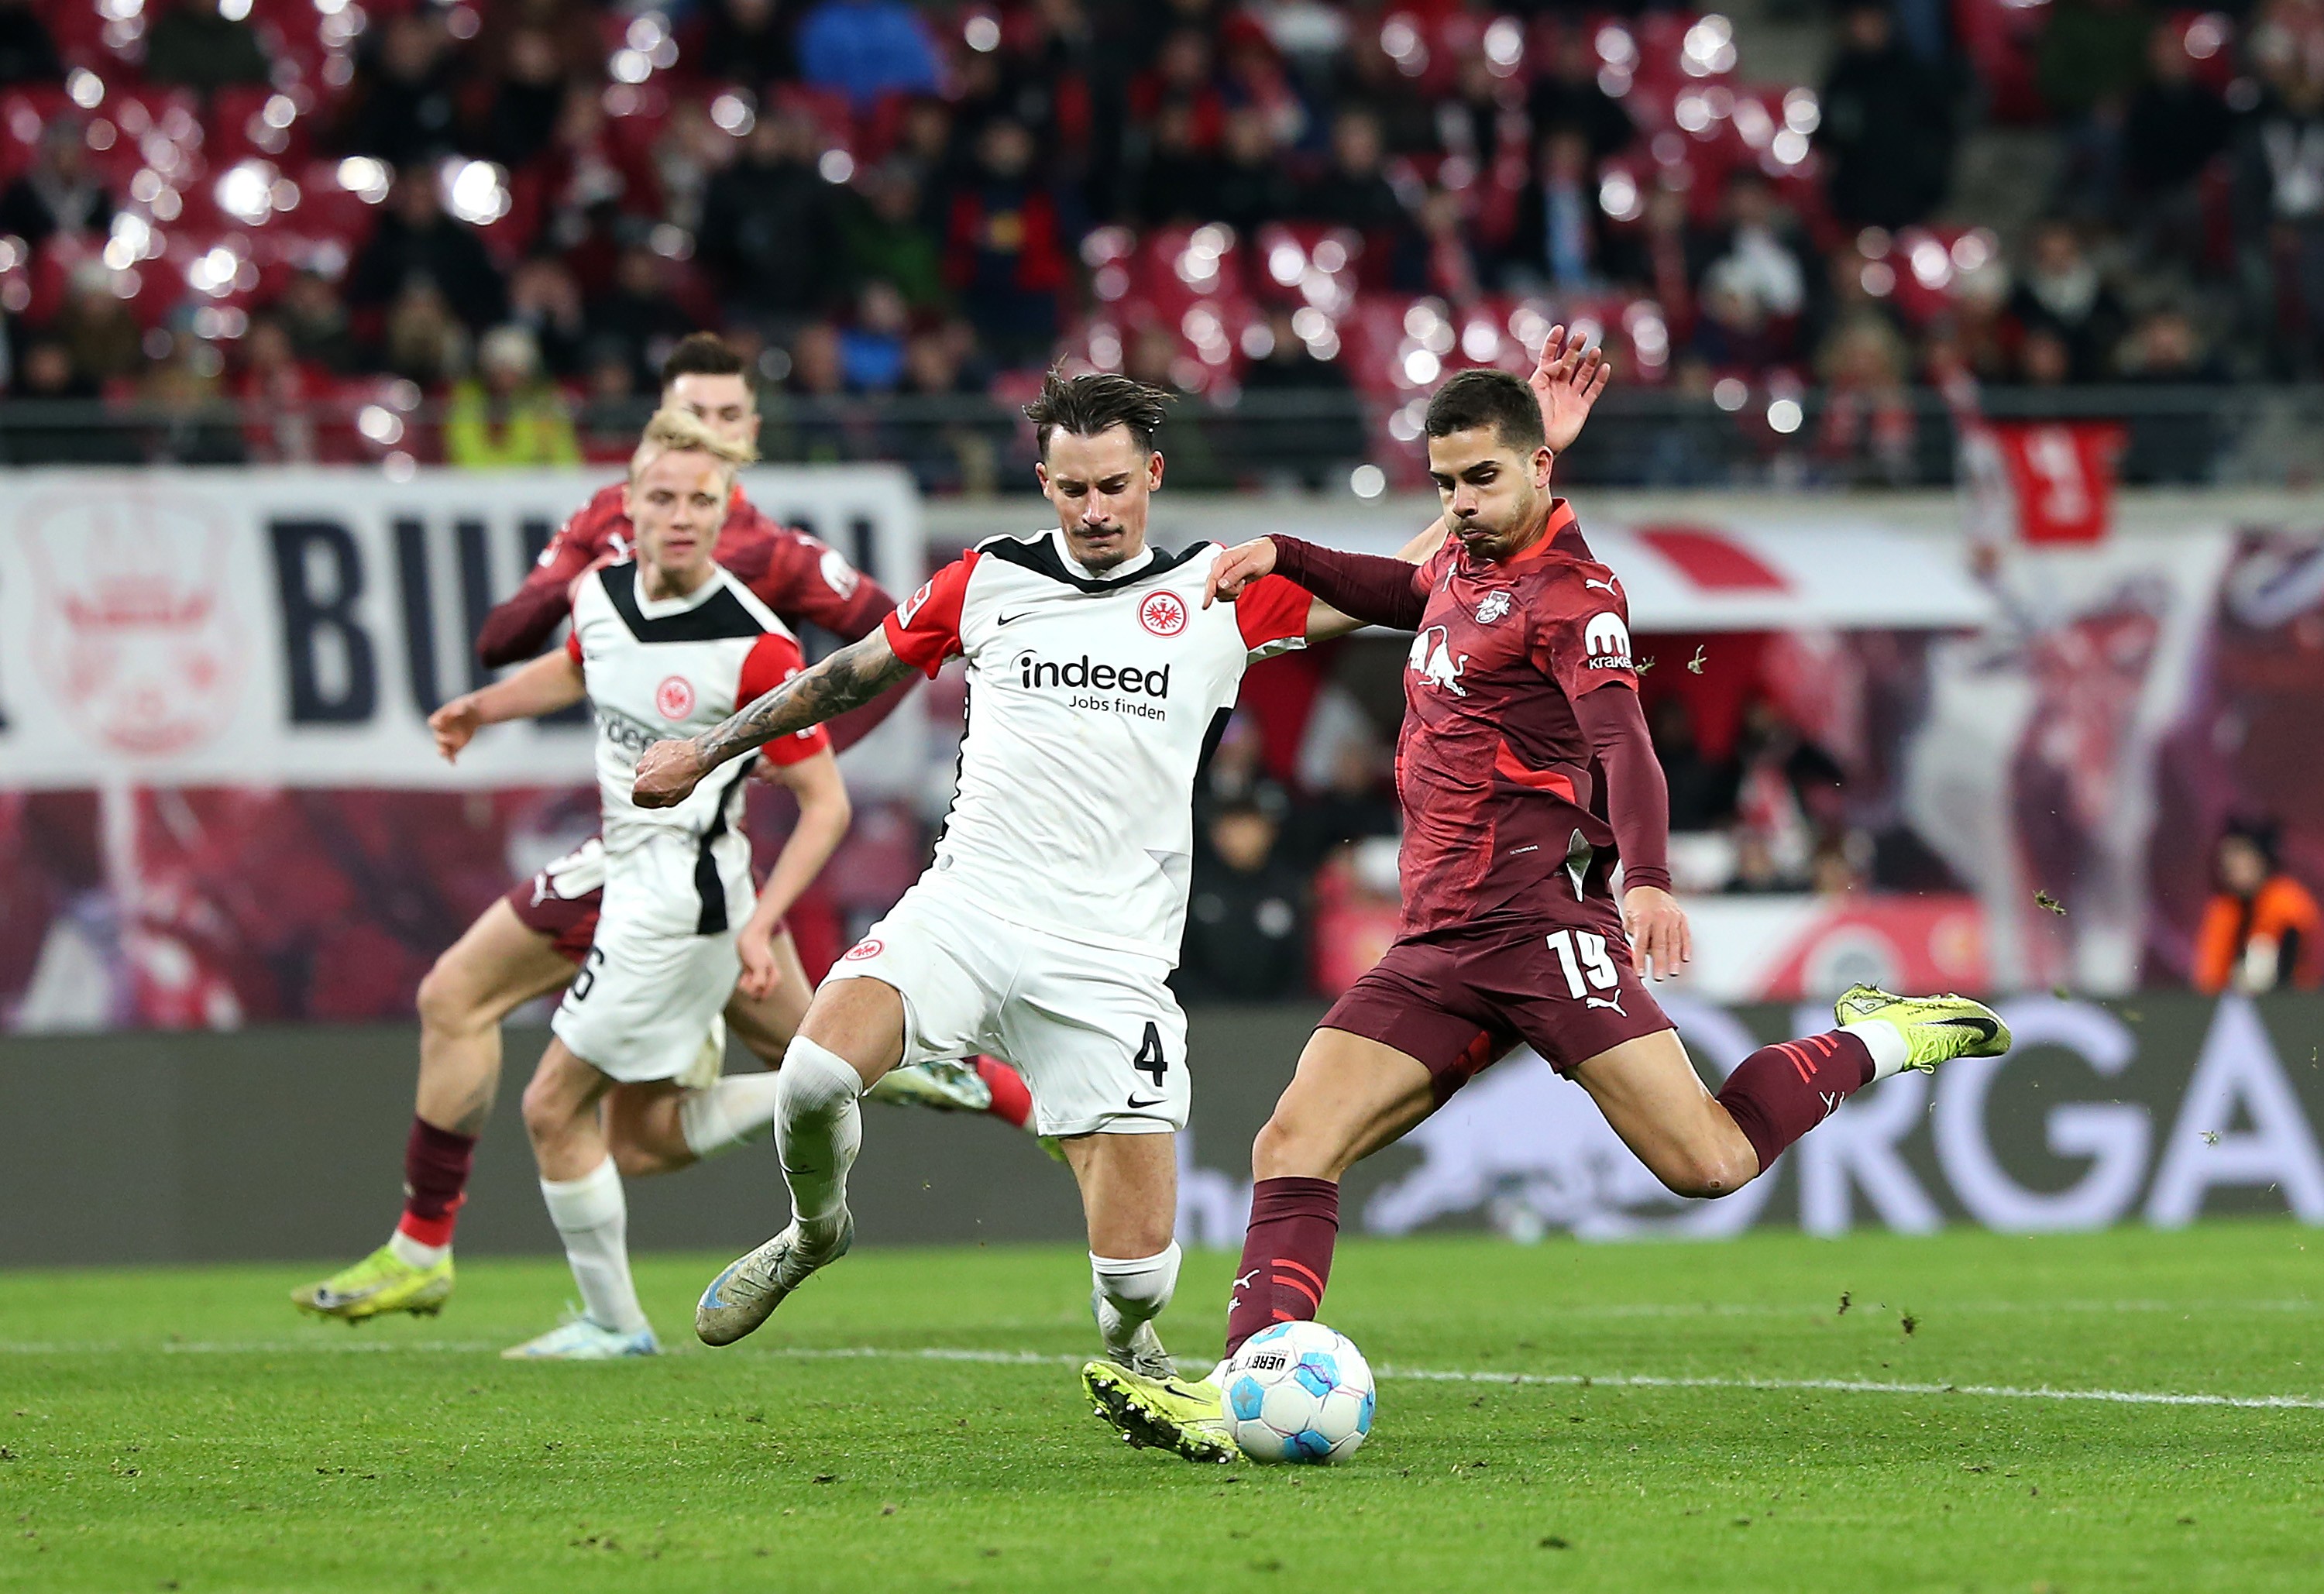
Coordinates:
(818, 1128)
(1887, 1043)
(728, 1113)
(1132, 1292)
(593, 1219)
(412, 1254)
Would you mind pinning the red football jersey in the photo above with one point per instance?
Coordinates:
(793, 573)
(1492, 767)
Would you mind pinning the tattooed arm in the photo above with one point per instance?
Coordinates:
(854, 676)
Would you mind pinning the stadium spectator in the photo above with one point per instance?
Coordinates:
(1763, 250)
(2175, 126)
(1359, 802)
(195, 45)
(1562, 241)
(747, 42)
(1866, 433)
(754, 215)
(1176, 179)
(316, 319)
(1569, 97)
(2281, 208)
(1888, 127)
(1006, 246)
(422, 341)
(867, 48)
(2260, 930)
(1354, 191)
(527, 99)
(107, 344)
(280, 395)
(1246, 936)
(2060, 293)
(53, 427)
(1702, 788)
(507, 415)
(415, 240)
(635, 320)
(59, 193)
(872, 347)
(1316, 429)
(546, 302)
(181, 396)
(401, 106)
(883, 235)
(28, 51)
(1251, 187)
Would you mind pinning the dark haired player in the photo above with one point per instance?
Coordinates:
(529, 943)
(1525, 773)
(1051, 916)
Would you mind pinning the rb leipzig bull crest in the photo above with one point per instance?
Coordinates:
(133, 628)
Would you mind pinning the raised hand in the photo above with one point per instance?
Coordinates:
(1237, 568)
(1566, 382)
(668, 774)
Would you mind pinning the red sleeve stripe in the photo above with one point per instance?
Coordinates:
(924, 631)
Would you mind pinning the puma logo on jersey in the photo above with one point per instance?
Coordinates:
(1435, 663)
(1614, 1002)
(1604, 587)
(1244, 1282)
(1608, 641)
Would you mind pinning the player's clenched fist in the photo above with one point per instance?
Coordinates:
(1237, 568)
(456, 724)
(1657, 930)
(666, 775)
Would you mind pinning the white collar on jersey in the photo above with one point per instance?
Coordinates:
(662, 608)
(1127, 568)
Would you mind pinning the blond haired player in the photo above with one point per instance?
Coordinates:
(669, 641)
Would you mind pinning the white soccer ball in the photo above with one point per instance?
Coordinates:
(1298, 1392)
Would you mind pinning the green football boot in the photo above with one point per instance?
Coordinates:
(1936, 1028)
(381, 1282)
(1185, 1417)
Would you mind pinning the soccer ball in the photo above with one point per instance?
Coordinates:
(1298, 1392)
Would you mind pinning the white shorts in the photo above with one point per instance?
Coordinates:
(654, 984)
(1097, 1034)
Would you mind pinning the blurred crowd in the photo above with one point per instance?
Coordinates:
(511, 208)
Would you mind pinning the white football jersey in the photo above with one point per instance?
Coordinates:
(1090, 701)
(676, 666)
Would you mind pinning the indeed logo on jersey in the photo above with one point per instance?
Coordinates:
(1127, 682)
(1608, 641)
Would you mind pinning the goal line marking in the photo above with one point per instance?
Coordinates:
(1387, 1372)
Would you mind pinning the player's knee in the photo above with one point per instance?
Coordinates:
(546, 1114)
(1707, 1173)
(1293, 1145)
(447, 999)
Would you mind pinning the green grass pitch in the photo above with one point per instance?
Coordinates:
(1737, 1430)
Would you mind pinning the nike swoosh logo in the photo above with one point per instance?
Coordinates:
(1136, 1104)
(1984, 1029)
(1006, 619)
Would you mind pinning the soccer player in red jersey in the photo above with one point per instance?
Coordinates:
(529, 943)
(1526, 774)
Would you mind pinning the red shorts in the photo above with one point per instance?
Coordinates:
(570, 922)
(1459, 1000)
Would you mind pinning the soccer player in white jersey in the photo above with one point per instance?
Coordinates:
(1050, 918)
(671, 641)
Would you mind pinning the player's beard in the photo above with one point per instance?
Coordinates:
(1510, 536)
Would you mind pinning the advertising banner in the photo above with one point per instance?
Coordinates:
(296, 627)
(2159, 1112)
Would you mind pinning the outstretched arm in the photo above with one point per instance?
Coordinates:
(852, 677)
(550, 682)
(1637, 806)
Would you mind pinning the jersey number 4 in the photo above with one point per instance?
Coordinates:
(1150, 1060)
(1583, 955)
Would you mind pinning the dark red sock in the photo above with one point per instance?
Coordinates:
(436, 1164)
(1286, 1255)
(1784, 1091)
(1012, 1103)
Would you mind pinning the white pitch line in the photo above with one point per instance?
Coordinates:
(1409, 1375)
